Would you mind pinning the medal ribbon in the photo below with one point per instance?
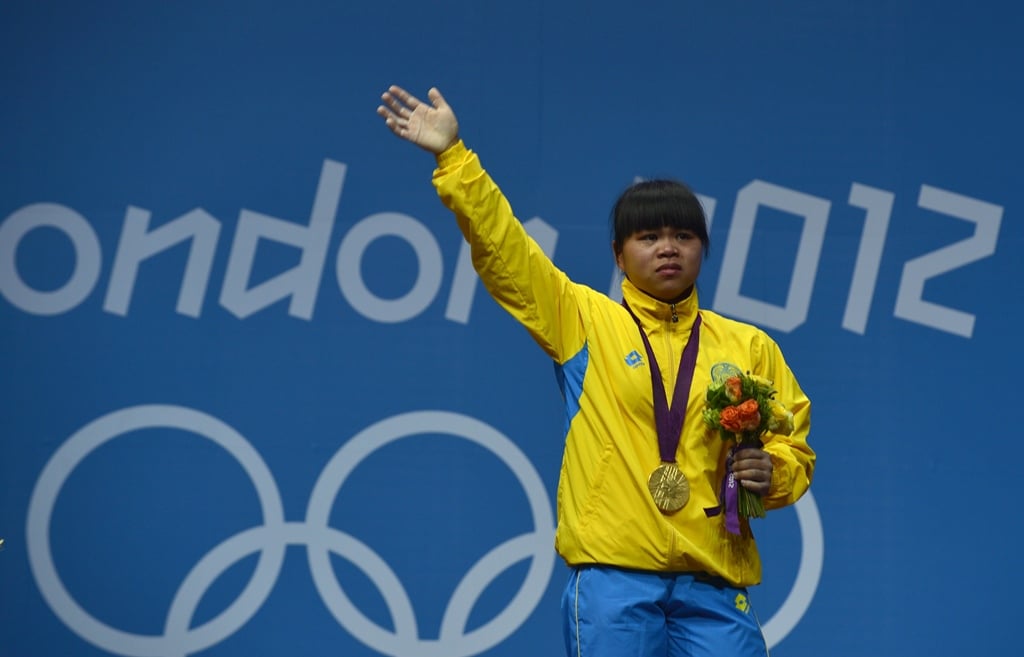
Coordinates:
(669, 421)
(730, 496)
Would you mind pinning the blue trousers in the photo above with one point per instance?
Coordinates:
(611, 612)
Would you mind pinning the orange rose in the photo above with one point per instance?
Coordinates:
(733, 388)
(745, 417)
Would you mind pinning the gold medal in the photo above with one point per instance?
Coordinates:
(669, 488)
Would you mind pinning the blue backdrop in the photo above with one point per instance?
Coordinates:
(254, 402)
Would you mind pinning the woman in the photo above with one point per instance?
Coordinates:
(656, 569)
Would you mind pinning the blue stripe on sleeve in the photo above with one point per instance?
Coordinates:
(570, 381)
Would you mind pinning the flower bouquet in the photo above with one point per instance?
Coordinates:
(742, 408)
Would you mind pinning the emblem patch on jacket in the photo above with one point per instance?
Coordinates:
(722, 371)
(634, 359)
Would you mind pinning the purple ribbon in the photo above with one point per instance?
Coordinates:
(669, 421)
(730, 496)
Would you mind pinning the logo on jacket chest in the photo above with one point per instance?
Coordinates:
(634, 359)
(722, 371)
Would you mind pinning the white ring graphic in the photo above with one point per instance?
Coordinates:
(67, 458)
(812, 557)
(271, 539)
(56, 472)
(453, 641)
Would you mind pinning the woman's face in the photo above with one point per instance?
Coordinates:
(662, 262)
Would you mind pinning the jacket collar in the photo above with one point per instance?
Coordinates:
(653, 311)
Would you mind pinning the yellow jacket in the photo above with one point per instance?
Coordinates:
(605, 512)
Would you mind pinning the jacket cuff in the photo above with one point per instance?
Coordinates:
(452, 155)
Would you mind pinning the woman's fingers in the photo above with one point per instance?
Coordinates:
(401, 101)
(431, 126)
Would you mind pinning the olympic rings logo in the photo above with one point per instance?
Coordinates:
(180, 639)
(270, 540)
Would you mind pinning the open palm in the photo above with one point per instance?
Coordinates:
(430, 126)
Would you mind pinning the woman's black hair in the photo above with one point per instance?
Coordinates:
(653, 204)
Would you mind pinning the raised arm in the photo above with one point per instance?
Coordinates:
(514, 269)
(432, 127)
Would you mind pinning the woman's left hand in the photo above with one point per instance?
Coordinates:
(753, 469)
